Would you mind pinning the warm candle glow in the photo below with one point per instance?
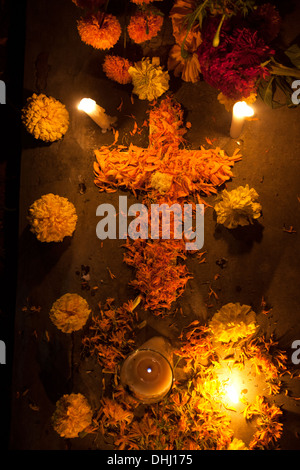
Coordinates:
(232, 393)
(241, 110)
(87, 105)
(97, 114)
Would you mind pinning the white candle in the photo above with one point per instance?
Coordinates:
(148, 373)
(240, 111)
(97, 114)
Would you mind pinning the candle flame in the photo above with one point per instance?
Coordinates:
(242, 109)
(87, 105)
(232, 393)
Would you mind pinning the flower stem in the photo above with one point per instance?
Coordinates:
(192, 18)
(216, 40)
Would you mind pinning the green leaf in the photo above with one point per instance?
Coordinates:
(293, 53)
(284, 83)
(266, 91)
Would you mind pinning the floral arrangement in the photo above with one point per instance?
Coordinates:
(145, 25)
(238, 207)
(70, 313)
(234, 45)
(52, 218)
(149, 79)
(100, 30)
(210, 37)
(72, 415)
(193, 171)
(45, 117)
(171, 173)
(116, 68)
(196, 414)
(233, 322)
(235, 66)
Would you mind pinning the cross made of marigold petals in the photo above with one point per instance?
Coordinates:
(164, 172)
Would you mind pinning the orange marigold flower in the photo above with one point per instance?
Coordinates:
(144, 26)
(102, 31)
(70, 312)
(188, 68)
(178, 14)
(116, 68)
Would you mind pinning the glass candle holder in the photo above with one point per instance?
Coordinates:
(147, 373)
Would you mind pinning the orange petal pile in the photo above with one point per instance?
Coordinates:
(110, 335)
(159, 277)
(193, 171)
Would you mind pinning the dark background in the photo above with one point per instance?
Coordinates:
(12, 43)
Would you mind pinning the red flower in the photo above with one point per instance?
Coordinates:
(235, 65)
(268, 21)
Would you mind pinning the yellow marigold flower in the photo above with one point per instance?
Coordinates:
(233, 322)
(238, 207)
(144, 26)
(45, 117)
(162, 182)
(52, 218)
(188, 68)
(102, 31)
(70, 312)
(149, 80)
(237, 444)
(116, 68)
(72, 415)
(228, 102)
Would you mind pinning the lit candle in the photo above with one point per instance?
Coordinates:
(147, 372)
(97, 113)
(232, 393)
(240, 111)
